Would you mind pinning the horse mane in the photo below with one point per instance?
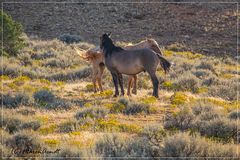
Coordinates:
(109, 46)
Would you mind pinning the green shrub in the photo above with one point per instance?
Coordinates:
(92, 112)
(135, 108)
(12, 35)
(23, 144)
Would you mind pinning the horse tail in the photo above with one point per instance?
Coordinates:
(165, 64)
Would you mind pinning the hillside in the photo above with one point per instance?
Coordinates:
(49, 105)
(209, 28)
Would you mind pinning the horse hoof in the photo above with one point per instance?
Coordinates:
(134, 92)
(115, 95)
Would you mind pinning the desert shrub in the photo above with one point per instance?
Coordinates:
(26, 112)
(186, 66)
(66, 153)
(205, 65)
(120, 106)
(68, 126)
(234, 115)
(112, 146)
(84, 45)
(25, 58)
(123, 101)
(175, 146)
(202, 73)
(210, 80)
(12, 33)
(9, 101)
(11, 125)
(220, 129)
(226, 90)
(71, 75)
(5, 152)
(154, 133)
(44, 55)
(178, 98)
(183, 145)
(206, 111)
(34, 125)
(92, 112)
(11, 70)
(68, 38)
(117, 108)
(178, 47)
(60, 62)
(135, 108)
(187, 82)
(44, 96)
(181, 120)
(58, 104)
(23, 143)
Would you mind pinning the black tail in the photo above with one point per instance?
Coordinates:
(164, 63)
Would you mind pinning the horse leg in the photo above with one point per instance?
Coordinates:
(115, 81)
(155, 83)
(134, 90)
(99, 80)
(94, 83)
(129, 85)
(102, 67)
(120, 79)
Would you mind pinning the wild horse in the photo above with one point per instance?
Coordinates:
(131, 62)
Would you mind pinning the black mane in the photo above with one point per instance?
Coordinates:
(108, 46)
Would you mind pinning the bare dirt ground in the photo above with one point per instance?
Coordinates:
(209, 28)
